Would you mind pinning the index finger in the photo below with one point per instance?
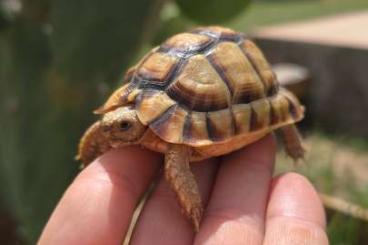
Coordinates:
(98, 206)
(236, 210)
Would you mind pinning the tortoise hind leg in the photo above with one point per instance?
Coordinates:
(293, 142)
(182, 181)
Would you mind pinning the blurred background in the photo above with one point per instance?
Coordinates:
(60, 59)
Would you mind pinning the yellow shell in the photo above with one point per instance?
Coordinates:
(204, 87)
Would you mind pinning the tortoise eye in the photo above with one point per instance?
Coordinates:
(124, 125)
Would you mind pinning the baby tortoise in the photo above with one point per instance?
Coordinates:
(201, 94)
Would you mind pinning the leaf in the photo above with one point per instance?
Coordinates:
(49, 73)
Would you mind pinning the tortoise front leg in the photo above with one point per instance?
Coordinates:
(293, 142)
(182, 181)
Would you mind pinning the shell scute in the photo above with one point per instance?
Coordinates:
(219, 32)
(220, 125)
(261, 65)
(237, 72)
(242, 117)
(285, 109)
(199, 87)
(151, 104)
(186, 43)
(260, 114)
(196, 130)
(205, 87)
(170, 125)
(157, 67)
(280, 110)
(295, 109)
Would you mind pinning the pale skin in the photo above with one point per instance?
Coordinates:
(244, 203)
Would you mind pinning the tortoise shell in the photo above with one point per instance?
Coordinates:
(204, 87)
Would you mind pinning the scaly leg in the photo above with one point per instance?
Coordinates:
(293, 142)
(182, 181)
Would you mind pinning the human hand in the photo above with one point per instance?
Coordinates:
(243, 203)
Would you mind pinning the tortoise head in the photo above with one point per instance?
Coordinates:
(121, 127)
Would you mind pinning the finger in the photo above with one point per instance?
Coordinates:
(235, 213)
(97, 207)
(295, 213)
(162, 221)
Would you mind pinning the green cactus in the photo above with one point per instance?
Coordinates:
(58, 59)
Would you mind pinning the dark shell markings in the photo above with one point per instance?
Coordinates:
(196, 78)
